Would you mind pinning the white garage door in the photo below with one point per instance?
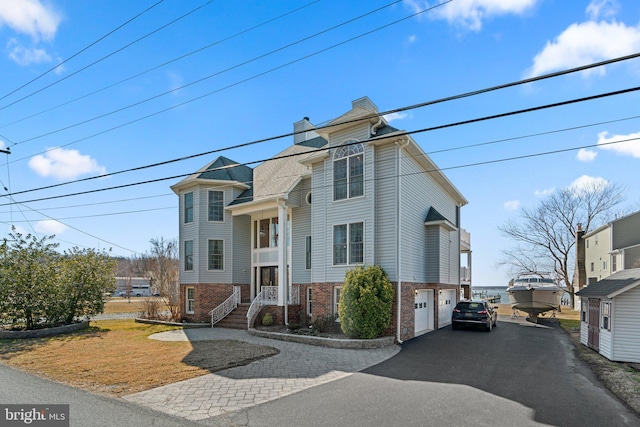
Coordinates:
(423, 311)
(446, 302)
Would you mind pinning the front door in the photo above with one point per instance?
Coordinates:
(594, 324)
(268, 276)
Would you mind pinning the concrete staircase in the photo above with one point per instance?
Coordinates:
(237, 319)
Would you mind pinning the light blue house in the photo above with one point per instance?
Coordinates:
(281, 236)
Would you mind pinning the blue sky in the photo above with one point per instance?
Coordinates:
(267, 65)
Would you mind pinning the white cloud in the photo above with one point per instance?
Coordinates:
(511, 205)
(50, 226)
(412, 38)
(545, 192)
(64, 164)
(396, 116)
(602, 8)
(630, 145)
(585, 155)
(30, 17)
(26, 55)
(470, 14)
(585, 43)
(586, 182)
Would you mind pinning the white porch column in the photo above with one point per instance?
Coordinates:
(283, 276)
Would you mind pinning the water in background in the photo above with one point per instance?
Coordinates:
(491, 291)
(497, 290)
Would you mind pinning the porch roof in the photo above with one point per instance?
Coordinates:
(612, 286)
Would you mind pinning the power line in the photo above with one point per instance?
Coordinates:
(108, 55)
(107, 214)
(460, 123)
(109, 202)
(163, 64)
(83, 49)
(337, 124)
(101, 116)
(397, 110)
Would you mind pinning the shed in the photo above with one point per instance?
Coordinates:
(610, 318)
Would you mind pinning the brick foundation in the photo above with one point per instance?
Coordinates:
(208, 296)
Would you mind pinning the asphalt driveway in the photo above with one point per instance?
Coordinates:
(517, 375)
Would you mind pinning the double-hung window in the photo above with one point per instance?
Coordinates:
(348, 243)
(348, 171)
(190, 299)
(606, 315)
(188, 255)
(216, 205)
(216, 255)
(188, 207)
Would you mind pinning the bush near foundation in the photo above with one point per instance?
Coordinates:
(365, 302)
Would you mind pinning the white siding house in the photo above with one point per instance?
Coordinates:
(353, 192)
(610, 316)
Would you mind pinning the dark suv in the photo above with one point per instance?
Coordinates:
(478, 313)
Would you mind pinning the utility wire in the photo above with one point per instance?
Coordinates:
(82, 50)
(399, 134)
(397, 110)
(163, 64)
(246, 144)
(272, 52)
(109, 55)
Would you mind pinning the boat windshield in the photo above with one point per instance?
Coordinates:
(534, 280)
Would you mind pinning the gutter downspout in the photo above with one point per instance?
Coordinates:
(400, 143)
(374, 128)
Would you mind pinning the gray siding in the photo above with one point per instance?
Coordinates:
(241, 262)
(432, 255)
(359, 209)
(625, 320)
(319, 239)
(386, 213)
(361, 133)
(626, 232)
(419, 192)
(214, 230)
(189, 232)
(300, 229)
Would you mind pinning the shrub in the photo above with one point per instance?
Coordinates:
(324, 324)
(267, 319)
(365, 302)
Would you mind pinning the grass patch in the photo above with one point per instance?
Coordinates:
(568, 324)
(115, 357)
(123, 306)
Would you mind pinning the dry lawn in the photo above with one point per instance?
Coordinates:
(116, 358)
(121, 305)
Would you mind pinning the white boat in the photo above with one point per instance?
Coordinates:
(534, 295)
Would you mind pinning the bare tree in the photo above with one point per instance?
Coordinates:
(161, 264)
(546, 234)
(127, 269)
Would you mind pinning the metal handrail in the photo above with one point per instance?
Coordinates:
(230, 304)
(254, 308)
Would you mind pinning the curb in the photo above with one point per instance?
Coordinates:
(353, 344)
(47, 332)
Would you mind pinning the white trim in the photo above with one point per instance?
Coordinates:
(186, 299)
(223, 256)
(348, 263)
(193, 255)
(224, 197)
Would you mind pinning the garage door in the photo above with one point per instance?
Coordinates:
(446, 302)
(423, 311)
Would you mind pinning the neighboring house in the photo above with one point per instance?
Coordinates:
(610, 316)
(613, 247)
(354, 192)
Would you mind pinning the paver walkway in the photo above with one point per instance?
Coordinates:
(295, 368)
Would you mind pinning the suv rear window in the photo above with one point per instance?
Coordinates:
(470, 306)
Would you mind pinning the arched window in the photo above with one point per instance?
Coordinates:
(348, 171)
